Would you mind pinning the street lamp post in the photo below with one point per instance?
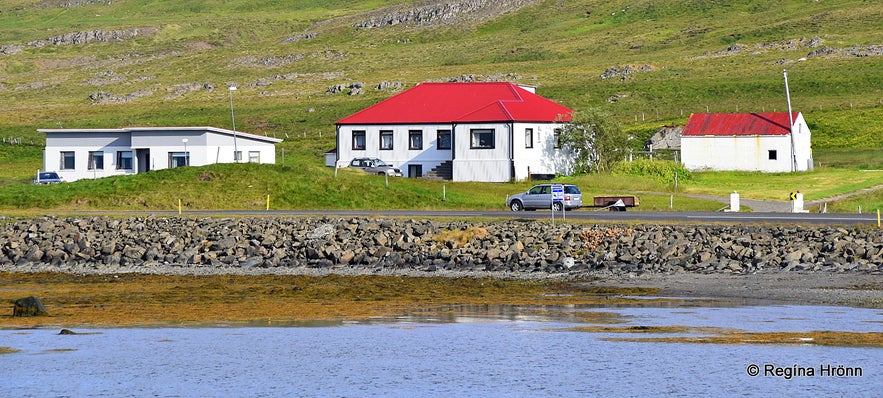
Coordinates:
(790, 121)
(233, 119)
(186, 154)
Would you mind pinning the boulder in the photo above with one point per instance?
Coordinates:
(29, 306)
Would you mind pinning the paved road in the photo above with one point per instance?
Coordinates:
(581, 214)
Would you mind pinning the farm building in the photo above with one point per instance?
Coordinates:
(491, 132)
(94, 153)
(747, 141)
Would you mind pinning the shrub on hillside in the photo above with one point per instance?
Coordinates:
(660, 170)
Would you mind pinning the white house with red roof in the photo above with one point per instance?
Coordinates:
(768, 142)
(94, 153)
(490, 132)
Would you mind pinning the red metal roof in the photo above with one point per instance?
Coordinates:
(734, 124)
(462, 103)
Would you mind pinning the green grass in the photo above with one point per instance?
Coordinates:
(550, 44)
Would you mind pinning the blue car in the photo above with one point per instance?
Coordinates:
(47, 177)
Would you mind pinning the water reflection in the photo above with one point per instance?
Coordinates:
(465, 350)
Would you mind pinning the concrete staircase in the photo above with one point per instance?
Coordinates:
(444, 171)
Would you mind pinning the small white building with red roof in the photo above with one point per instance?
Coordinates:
(489, 132)
(768, 142)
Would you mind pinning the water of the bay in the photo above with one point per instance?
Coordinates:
(468, 354)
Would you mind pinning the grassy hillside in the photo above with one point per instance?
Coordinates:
(168, 63)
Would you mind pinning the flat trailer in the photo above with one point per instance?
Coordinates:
(616, 202)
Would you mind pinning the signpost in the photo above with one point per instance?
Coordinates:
(557, 197)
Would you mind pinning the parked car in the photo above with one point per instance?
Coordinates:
(47, 177)
(375, 166)
(540, 197)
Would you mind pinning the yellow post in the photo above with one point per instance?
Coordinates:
(268, 202)
(179, 206)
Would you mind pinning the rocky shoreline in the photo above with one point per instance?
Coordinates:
(506, 248)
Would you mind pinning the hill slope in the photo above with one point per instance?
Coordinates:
(302, 65)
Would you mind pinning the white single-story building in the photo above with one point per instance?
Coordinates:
(94, 153)
(490, 132)
(768, 142)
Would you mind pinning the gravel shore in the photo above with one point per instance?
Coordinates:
(811, 288)
(745, 263)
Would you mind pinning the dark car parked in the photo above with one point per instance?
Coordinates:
(540, 197)
(47, 177)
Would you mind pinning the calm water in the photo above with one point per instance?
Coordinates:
(477, 355)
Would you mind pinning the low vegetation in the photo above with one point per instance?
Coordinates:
(134, 299)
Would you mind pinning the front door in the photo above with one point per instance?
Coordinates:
(143, 159)
(415, 170)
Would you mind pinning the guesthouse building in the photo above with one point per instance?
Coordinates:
(489, 131)
(94, 153)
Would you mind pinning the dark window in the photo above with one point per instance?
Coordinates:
(386, 139)
(773, 155)
(528, 138)
(557, 138)
(67, 161)
(415, 139)
(96, 160)
(482, 139)
(359, 140)
(178, 159)
(124, 160)
(443, 140)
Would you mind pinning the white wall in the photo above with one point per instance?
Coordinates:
(400, 155)
(543, 158)
(802, 144)
(488, 165)
(470, 164)
(110, 142)
(205, 147)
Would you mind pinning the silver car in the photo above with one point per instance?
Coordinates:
(375, 166)
(540, 197)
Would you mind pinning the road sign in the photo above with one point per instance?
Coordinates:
(557, 192)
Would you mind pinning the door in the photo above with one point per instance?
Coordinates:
(415, 170)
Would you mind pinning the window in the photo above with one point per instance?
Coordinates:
(557, 138)
(96, 160)
(67, 161)
(358, 140)
(482, 139)
(237, 156)
(254, 156)
(528, 138)
(415, 139)
(386, 139)
(124, 160)
(443, 139)
(773, 155)
(178, 159)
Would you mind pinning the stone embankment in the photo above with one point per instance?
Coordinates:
(517, 248)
